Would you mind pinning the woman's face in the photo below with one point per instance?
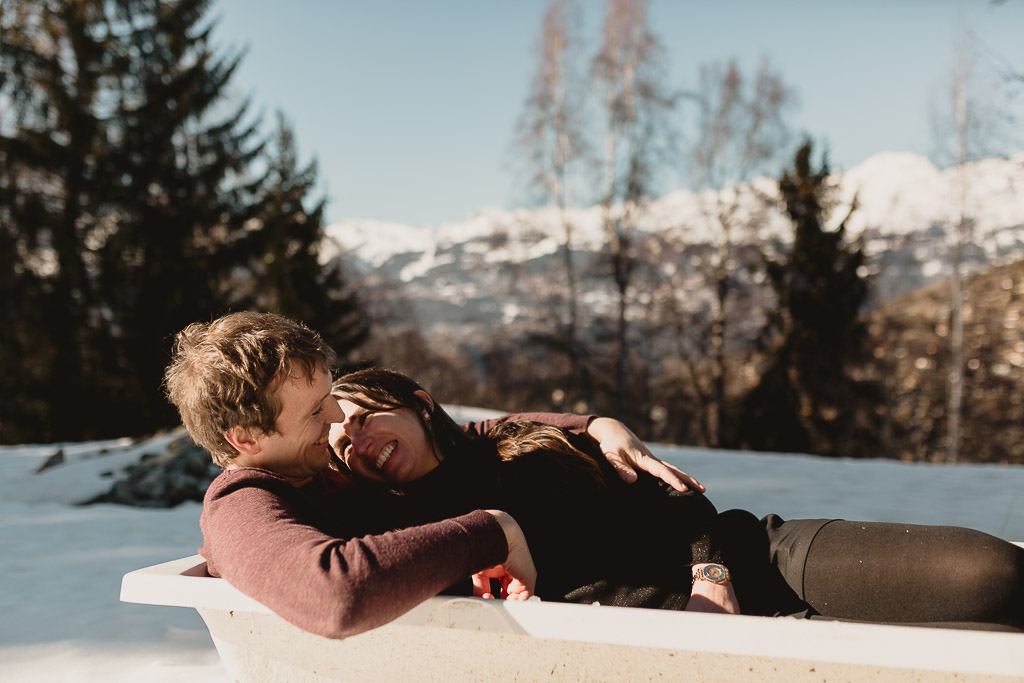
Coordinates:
(388, 446)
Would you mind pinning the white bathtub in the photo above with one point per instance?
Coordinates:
(460, 639)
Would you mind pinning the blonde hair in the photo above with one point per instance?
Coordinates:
(226, 373)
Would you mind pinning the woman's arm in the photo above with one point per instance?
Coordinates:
(627, 453)
(255, 538)
(517, 575)
(716, 598)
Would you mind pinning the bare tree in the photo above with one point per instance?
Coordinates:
(979, 128)
(968, 120)
(740, 130)
(551, 138)
(635, 130)
(956, 368)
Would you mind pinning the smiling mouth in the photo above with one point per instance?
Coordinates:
(322, 441)
(385, 455)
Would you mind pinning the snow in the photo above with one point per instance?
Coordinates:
(898, 193)
(62, 564)
(61, 571)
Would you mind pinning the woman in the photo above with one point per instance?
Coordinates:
(572, 513)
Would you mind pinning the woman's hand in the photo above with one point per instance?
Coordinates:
(517, 574)
(627, 453)
(713, 598)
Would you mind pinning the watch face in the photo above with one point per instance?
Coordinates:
(714, 572)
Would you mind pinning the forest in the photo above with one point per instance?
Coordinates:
(137, 196)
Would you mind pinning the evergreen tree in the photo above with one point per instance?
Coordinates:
(54, 65)
(129, 186)
(178, 170)
(284, 252)
(807, 399)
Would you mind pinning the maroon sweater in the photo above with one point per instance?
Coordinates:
(292, 549)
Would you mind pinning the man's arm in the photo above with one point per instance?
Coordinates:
(339, 587)
(517, 575)
(620, 446)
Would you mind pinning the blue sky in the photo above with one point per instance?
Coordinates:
(410, 105)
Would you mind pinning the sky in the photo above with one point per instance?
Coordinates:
(62, 564)
(409, 107)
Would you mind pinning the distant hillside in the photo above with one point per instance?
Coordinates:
(913, 345)
(481, 271)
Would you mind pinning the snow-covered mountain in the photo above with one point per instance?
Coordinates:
(485, 269)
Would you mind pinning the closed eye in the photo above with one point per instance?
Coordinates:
(343, 445)
(320, 406)
(340, 447)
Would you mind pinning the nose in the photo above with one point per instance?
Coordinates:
(334, 412)
(356, 436)
(343, 423)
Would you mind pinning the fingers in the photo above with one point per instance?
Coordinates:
(519, 563)
(672, 475)
(618, 461)
(481, 585)
(512, 588)
(627, 454)
(624, 464)
(517, 590)
(692, 483)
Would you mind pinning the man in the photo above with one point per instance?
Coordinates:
(285, 527)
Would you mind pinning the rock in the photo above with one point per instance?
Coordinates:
(181, 472)
(55, 459)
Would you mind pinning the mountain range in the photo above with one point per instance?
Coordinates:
(485, 269)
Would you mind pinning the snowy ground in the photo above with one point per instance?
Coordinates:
(61, 564)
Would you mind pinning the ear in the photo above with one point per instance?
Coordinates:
(245, 441)
(425, 397)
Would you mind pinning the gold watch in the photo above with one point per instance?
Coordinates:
(715, 573)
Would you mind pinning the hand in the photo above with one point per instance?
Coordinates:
(517, 574)
(627, 453)
(713, 598)
(511, 587)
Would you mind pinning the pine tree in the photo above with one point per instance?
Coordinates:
(807, 399)
(128, 189)
(178, 168)
(287, 276)
(54, 61)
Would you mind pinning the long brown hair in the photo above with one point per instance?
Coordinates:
(519, 438)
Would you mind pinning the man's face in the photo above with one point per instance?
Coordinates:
(298, 448)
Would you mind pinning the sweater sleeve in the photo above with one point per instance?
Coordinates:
(576, 424)
(254, 537)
